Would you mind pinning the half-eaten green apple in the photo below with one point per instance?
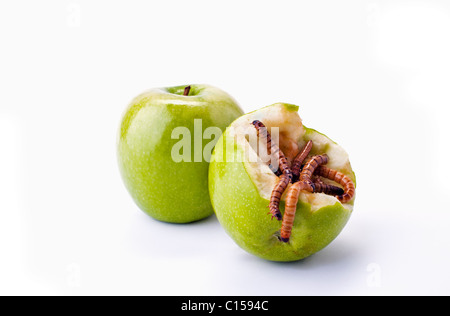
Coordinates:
(165, 142)
(282, 191)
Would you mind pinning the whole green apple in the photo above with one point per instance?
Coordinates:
(165, 142)
(241, 184)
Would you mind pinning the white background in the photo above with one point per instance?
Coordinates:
(372, 75)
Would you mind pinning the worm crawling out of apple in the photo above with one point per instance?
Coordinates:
(313, 203)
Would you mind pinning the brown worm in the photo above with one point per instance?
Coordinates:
(317, 179)
(290, 210)
(272, 149)
(321, 187)
(305, 183)
(286, 174)
(297, 163)
(309, 168)
(342, 179)
(277, 192)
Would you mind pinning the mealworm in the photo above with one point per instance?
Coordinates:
(277, 192)
(272, 149)
(290, 210)
(262, 132)
(317, 179)
(286, 174)
(308, 170)
(342, 179)
(321, 187)
(297, 163)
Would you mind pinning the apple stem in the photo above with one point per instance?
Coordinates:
(186, 90)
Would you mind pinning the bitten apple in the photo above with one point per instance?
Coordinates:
(241, 184)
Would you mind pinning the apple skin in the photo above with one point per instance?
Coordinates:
(243, 212)
(170, 191)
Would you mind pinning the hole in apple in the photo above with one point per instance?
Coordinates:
(277, 235)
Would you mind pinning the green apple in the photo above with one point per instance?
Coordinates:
(240, 185)
(165, 142)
